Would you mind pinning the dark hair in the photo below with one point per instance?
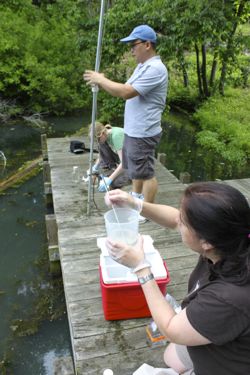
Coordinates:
(220, 215)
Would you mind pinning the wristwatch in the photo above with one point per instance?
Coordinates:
(145, 279)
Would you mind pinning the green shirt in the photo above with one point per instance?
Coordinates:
(115, 138)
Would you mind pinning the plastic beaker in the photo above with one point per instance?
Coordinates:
(122, 225)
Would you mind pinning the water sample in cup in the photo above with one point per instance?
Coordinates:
(126, 228)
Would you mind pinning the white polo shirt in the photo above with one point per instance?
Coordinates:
(142, 117)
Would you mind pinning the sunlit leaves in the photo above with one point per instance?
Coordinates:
(225, 126)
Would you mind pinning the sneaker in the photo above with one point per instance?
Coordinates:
(142, 219)
(137, 195)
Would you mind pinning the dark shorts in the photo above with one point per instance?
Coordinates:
(138, 156)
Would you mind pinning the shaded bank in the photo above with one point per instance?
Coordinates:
(183, 154)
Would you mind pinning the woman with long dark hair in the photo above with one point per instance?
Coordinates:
(211, 334)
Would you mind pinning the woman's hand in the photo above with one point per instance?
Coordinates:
(121, 198)
(130, 256)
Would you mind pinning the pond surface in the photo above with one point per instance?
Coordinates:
(25, 285)
(33, 324)
(178, 142)
(27, 291)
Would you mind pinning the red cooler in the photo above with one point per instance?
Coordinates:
(125, 300)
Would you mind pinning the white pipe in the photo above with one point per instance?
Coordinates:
(94, 106)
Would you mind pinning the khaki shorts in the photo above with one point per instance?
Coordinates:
(184, 357)
(138, 156)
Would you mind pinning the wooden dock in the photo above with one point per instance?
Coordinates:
(98, 344)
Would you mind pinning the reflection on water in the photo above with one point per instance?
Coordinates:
(22, 282)
(20, 142)
(23, 242)
(3, 162)
(184, 155)
(35, 355)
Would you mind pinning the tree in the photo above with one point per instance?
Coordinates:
(40, 59)
(184, 27)
(239, 13)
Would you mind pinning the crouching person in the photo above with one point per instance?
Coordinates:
(110, 142)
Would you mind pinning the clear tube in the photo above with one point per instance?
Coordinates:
(75, 174)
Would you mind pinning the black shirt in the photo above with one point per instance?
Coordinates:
(220, 311)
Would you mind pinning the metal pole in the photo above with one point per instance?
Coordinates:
(94, 106)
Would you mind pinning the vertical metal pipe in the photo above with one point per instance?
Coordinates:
(94, 107)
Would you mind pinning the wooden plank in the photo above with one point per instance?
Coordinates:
(96, 343)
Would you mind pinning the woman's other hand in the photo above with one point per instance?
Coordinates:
(129, 256)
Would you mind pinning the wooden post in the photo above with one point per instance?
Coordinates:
(53, 250)
(46, 172)
(185, 177)
(44, 146)
(162, 158)
(51, 227)
(48, 196)
(54, 260)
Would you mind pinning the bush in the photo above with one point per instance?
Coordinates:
(225, 127)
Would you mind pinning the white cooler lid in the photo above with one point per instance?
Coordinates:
(113, 272)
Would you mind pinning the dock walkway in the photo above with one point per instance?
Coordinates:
(98, 344)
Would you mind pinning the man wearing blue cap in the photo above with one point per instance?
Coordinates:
(145, 94)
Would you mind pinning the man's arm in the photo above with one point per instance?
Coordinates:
(120, 90)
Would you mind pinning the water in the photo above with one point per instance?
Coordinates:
(25, 284)
(32, 302)
(127, 236)
(184, 155)
(122, 225)
(20, 142)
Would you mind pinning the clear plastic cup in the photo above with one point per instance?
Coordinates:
(122, 225)
(75, 174)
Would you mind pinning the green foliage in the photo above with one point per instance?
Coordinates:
(112, 109)
(40, 62)
(53, 41)
(182, 26)
(225, 127)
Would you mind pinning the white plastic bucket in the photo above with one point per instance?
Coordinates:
(122, 225)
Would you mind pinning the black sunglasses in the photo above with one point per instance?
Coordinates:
(135, 44)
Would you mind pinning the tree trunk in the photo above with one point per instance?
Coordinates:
(229, 47)
(185, 75)
(184, 70)
(198, 69)
(213, 69)
(204, 71)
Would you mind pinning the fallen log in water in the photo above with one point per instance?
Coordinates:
(25, 171)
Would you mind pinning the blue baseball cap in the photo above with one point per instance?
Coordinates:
(143, 32)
